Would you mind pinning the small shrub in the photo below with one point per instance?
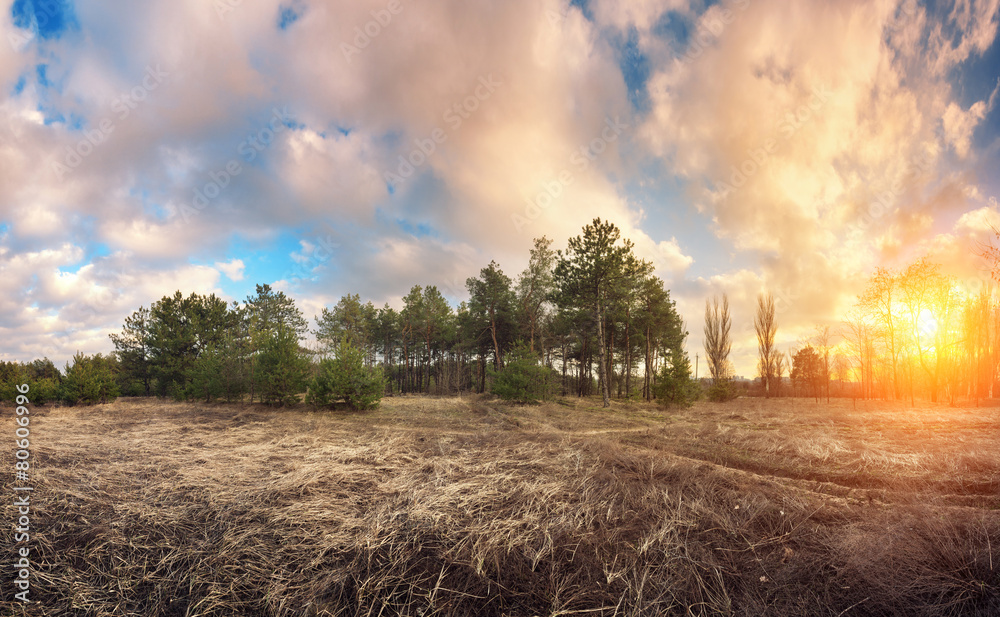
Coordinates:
(44, 380)
(345, 377)
(523, 380)
(90, 380)
(11, 375)
(721, 392)
(674, 385)
(44, 390)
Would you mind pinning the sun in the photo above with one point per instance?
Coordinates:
(927, 325)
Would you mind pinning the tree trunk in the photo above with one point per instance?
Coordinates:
(496, 346)
(564, 368)
(406, 366)
(628, 358)
(427, 368)
(251, 380)
(605, 392)
(610, 355)
(645, 386)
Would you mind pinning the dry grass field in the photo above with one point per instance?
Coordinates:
(461, 506)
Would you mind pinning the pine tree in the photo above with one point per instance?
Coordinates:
(346, 378)
(523, 379)
(585, 275)
(90, 380)
(282, 370)
(534, 288)
(273, 321)
(133, 349)
(491, 304)
(675, 385)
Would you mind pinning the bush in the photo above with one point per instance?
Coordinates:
(674, 385)
(90, 380)
(523, 380)
(11, 375)
(345, 378)
(44, 390)
(721, 391)
(42, 377)
(130, 386)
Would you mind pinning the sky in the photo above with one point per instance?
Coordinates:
(356, 146)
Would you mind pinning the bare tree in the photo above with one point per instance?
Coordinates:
(976, 339)
(842, 369)
(924, 291)
(788, 360)
(718, 342)
(879, 300)
(765, 328)
(858, 331)
(779, 371)
(822, 338)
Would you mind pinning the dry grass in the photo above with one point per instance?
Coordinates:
(447, 506)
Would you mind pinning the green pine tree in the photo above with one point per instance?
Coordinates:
(523, 379)
(346, 378)
(674, 384)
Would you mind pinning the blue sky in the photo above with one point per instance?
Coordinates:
(341, 147)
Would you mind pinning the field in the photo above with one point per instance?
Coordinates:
(461, 506)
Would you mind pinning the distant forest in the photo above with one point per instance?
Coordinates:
(593, 314)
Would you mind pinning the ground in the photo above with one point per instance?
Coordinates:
(463, 506)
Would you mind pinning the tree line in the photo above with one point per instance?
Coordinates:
(591, 317)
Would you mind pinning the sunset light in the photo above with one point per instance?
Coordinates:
(927, 324)
(500, 308)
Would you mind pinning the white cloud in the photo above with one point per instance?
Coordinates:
(959, 125)
(233, 269)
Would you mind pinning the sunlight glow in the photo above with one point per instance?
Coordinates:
(927, 324)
